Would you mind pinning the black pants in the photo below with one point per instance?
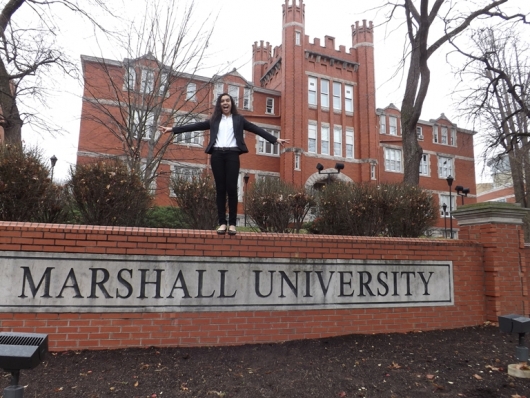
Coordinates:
(225, 168)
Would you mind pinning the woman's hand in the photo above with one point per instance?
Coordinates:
(164, 129)
(281, 141)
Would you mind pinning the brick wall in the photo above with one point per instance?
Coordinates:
(113, 330)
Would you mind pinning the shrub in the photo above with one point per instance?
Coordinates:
(196, 199)
(165, 217)
(55, 206)
(275, 206)
(107, 193)
(24, 181)
(397, 210)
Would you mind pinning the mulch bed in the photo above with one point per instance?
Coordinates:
(469, 362)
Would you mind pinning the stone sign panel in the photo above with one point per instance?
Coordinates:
(42, 282)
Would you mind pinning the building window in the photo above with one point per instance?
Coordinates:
(424, 165)
(191, 90)
(148, 81)
(337, 88)
(312, 138)
(297, 161)
(269, 106)
(393, 125)
(185, 173)
(298, 38)
(419, 132)
(382, 124)
(444, 135)
(452, 138)
(246, 98)
(349, 143)
(372, 171)
(393, 159)
(337, 141)
(152, 182)
(324, 140)
(445, 167)
(265, 147)
(218, 89)
(450, 203)
(190, 137)
(233, 91)
(435, 134)
(130, 79)
(312, 91)
(142, 125)
(163, 83)
(324, 93)
(348, 98)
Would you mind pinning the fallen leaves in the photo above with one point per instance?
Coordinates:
(478, 377)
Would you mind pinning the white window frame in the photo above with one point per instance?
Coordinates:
(444, 198)
(218, 89)
(188, 172)
(136, 120)
(269, 106)
(324, 139)
(382, 124)
(452, 137)
(393, 160)
(193, 138)
(233, 91)
(312, 90)
(148, 81)
(424, 165)
(419, 132)
(435, 137)
(337, 96)
(247, 95)
(445, 166)
(152, 184)
(191, 91)
(129, 82)
(297, 161)
(393, 125)
(372, 171)
(349, 143)
(348, 98)
(266, 148)
(444, 138)
(164, 80)
(337, 141)
(312, 138)
(324, 93)
(298, 38)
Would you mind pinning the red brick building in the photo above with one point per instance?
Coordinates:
(319, 97)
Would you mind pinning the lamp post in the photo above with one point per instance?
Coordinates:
(245, 179)
(338, 167)
(450, 180)
(53, 160)
(444, 206)
(461, 191)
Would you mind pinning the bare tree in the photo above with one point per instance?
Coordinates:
(151, 86)
(28, 51)
(498, 100)
(419, 22)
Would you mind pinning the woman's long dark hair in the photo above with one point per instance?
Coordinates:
(217, 111)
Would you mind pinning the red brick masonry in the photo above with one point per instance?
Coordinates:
(118, 330)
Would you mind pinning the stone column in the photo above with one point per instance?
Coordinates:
(498, 227)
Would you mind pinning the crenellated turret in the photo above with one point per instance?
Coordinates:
(292, 12)
(261, 55)
(362, 34)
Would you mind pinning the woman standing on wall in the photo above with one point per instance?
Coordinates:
(226, 144)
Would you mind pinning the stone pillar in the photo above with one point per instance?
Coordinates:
(498, 227)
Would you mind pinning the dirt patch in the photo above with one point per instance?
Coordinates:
(469, 362)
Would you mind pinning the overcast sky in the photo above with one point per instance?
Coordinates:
(240, 23)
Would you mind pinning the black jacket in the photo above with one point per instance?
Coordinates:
(239, 123)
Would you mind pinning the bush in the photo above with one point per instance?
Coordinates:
(24, 182)
(274, 205)
(106, 193)
(55, 206)
(165, 217)
(196, 199)
(397, 210)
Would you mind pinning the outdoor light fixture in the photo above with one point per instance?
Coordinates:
(514, 323)
(338, 168)
(20, 351)
(461, 191)
(53, 161)
(450, 180)
(245, 179)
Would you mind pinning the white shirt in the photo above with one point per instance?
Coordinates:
(225, 136)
